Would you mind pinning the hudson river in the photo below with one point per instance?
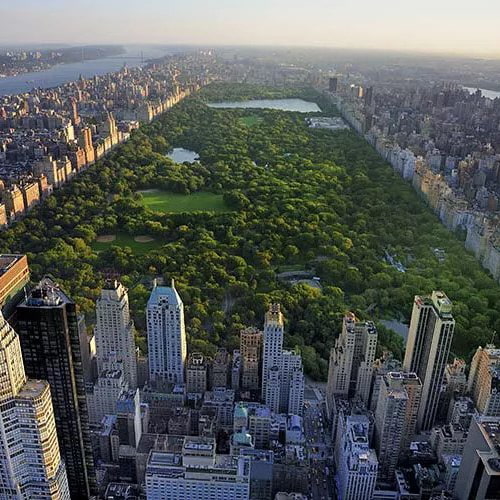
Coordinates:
(62, 73)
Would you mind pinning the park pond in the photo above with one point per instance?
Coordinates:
(296, 105)
(180, 155)
(396, 326)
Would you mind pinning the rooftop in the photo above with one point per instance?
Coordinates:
(164, 294)
(46, 294)
(32, 389)
(8, 260)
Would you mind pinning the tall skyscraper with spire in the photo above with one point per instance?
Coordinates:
(167, 349)
(47, 324)
(30, 461)
(427, 350)
(114, 331)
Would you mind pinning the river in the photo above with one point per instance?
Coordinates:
(62, 73)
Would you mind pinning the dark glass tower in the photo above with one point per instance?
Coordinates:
(47, 324)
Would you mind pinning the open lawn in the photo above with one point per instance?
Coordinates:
(162, 201)
(250, 120)
(139, 244)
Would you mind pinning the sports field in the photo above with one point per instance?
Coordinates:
(162, 201)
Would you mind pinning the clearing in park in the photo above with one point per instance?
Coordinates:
(139, 244)
(163, 201)
(251, 120)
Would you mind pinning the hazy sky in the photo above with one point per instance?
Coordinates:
(460, 26)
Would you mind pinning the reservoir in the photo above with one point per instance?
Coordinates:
(63, 73)
(490, 94)
(297, 105)
(180, 155)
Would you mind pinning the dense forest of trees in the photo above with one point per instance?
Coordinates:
(301, 198)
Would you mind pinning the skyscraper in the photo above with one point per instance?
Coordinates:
(358, 464)
(274, 327)
(166, 335)
(114, 330)
(427, 350)
(251, 355)
(351, 360)
(48, 330)
(484, 380)
(389, 427)
(30, 461)
(292, 383)
(281, 369)
(479, 474)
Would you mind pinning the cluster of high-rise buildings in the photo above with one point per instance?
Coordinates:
(445, 141)
(416, 429)
(47, 136)
(84, 415)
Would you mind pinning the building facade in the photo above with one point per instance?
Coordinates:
(274, 328)
(196, 374)
(167, 349)
(282, 370)
(197, 474)
(114, 330)
(484, 380)
(47, 324)
(251, 357)
(427, 350)
(479, 474)
(389, 428)
(30, 460)
(358, 465)
(351, 360)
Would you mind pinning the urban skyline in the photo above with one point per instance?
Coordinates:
(246, 269)
(453, 28)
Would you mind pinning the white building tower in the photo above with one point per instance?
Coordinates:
(166, 335)
(427, 350)
(357, 464)
(114, 331)
(274, 327)
(30, 462)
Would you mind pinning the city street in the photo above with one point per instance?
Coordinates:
(317, 446)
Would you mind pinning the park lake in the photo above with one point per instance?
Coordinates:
(181, 155)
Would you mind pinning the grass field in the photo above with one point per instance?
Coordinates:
(125, 240)
(250, 120)
(162, 201)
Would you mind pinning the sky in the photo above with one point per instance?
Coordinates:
(469, 27)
